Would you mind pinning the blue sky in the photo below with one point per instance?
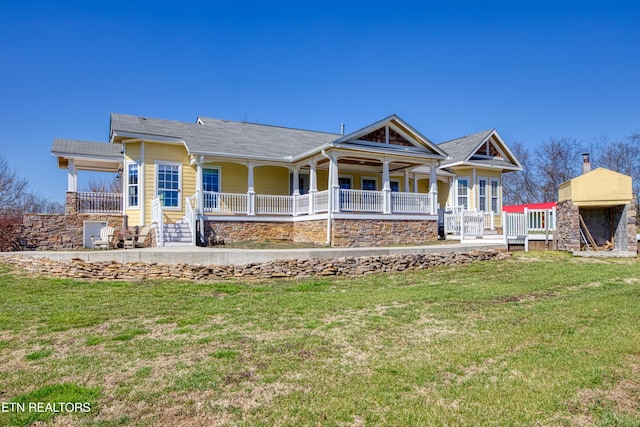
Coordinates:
(533, 70)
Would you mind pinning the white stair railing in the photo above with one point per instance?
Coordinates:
(158, 217)
(191, 216)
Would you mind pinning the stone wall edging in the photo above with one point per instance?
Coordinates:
(343, 266)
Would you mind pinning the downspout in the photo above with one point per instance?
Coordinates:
(330, 200)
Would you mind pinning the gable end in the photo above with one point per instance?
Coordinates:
(380, 136)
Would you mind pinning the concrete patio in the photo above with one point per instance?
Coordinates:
(223, 256)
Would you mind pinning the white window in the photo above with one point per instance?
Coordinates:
(495, 195)
(168, 184)
(133, 185)
(369, 184)
(463, 193)
(482, 194)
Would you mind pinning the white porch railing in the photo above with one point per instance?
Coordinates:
(347, 201)
(489, 219)
(90, 202)
(472, 225)
(321, 201)
(158, 217)
(411, 203)
(541, 219)
(301, 204)
(515, 225)
(226, 202)
(274, 205)
(453, 219)
(361, 200)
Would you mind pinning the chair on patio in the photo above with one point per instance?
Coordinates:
(103, 240)
(137, 240)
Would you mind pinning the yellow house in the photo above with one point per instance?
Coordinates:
(382, 184)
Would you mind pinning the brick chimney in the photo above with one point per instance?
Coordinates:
(586, 163)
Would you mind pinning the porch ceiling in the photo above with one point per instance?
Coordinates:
(91, 164)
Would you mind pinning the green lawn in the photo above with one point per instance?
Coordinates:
(539, 339)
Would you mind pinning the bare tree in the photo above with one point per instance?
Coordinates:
(619, 156)
(12, 187)
(96, 185)
(521, 187)
(557, 161)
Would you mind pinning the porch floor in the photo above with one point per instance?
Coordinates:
(225, 256)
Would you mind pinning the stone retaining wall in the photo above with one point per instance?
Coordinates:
(45, 232)
(344, 266)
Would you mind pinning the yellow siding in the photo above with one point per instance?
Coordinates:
(322, 176)
(233, 177)
(154, 152)
(443, 193)
(600, 187)
(271, 180)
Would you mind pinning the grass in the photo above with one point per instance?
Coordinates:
(540, 339)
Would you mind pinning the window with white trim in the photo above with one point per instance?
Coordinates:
(463, 193)
(395, 186)
(482, 194)
(133, 186)
(210, 185)
(168, 183)
(495, 196)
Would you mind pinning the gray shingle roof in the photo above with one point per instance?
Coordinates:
(216, 136)
(77, 148)
(461, 148)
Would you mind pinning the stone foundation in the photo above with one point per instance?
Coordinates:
(345, 232)
(371, 232)
(344, 266)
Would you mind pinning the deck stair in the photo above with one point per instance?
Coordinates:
(177, 234)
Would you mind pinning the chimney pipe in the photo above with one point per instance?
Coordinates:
(586, 163)
(341, 128)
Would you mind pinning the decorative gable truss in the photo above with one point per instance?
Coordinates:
(392, 132)
(489, 149)
(493, 147)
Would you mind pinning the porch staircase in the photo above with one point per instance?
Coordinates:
(177, 234)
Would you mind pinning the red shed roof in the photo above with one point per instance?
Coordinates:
(530, 206)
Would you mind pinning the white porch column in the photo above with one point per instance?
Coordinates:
(200, 196)
(296, 181)
(415, 183)
(386, 188)
(313, 187)
(251, 193)
(406, 181)
(333, 185)
(296, 189)
(433, 187)
(472, 190)
(72, 177)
